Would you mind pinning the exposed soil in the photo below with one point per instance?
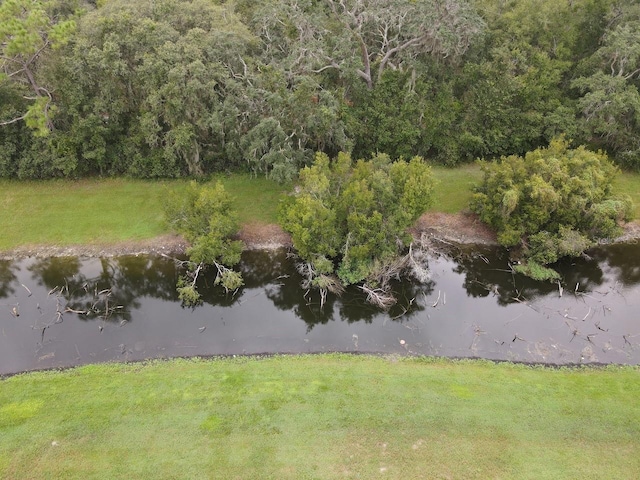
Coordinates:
(462, 228)
(455, 227)
(167, 244)
(261, 236)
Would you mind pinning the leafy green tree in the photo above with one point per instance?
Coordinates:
(349, 222)
(364, 38)
(29, 31)
(294, 121)
(205, 217)
(553, 202)
(610, 102)
(151, 88)
(387, 118)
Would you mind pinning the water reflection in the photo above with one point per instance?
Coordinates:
(78, 311)
(7, 278)
(488, 272)
(105, 288)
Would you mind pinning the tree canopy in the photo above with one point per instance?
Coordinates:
(169, 88)
(553, 202)
(349, 221)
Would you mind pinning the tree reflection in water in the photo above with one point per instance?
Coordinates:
(285, 293)
(7, 278)
(487, 271)
(265, 314)
(106, 288)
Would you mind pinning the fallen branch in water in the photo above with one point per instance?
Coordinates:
(379, 297)
(435, 304)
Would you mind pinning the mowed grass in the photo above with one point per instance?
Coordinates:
(105, 211)
(453, 189)
(629, 183)
(321, 417)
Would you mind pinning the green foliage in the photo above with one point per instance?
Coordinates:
(554, 202)
(355, 215)
(30, 30)
(171, 88)
(386, 118)
(205, 218)
(148, 87)
(536, 271)
(610, 103)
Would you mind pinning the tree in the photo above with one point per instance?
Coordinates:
(155, 88)
(29, 31)
(552, 203)
(364, 38)
(610, 102)
(204, 216)
(349, 222)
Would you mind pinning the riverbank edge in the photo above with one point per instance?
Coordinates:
(460, 228)
(391, 357)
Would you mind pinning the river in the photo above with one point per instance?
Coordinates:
(65, 311)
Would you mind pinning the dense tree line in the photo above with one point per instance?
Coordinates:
(168, 88)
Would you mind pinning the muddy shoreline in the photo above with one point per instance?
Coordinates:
(460, 228)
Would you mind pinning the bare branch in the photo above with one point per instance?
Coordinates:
(15, 120)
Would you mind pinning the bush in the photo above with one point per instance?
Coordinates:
(350, 220)
(204, 216)
(554, 202)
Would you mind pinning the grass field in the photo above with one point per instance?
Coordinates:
(321, 417)
(91, 211)
(103, 211)
(453, 189)
(629, 183)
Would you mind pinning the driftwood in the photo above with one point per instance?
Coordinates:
(379, 297)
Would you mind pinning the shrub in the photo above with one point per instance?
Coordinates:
(553, 202)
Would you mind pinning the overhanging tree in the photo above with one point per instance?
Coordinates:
(553, 202)
(349, 221)
(205, 217)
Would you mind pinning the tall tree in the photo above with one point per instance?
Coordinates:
(363, 38)
(29, 31)
(150, 88)
(610, 104)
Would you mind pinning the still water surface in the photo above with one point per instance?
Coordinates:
(472, 307)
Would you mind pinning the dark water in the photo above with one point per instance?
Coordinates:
(472, 307)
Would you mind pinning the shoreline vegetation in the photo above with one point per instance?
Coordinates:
(317, 416)
(110, 217)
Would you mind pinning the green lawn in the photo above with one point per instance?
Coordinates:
(453, 189)
(321, 417)
(99, 211)
(103, 211)
(629, 183)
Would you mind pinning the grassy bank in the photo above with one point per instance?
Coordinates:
(93, 211)
(321, 417)
(90, 211)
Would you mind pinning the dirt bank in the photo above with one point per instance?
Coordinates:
(462, 228)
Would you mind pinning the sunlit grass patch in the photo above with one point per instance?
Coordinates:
(629, 183)
(104, 211)
(327, 416)
(453, 190)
